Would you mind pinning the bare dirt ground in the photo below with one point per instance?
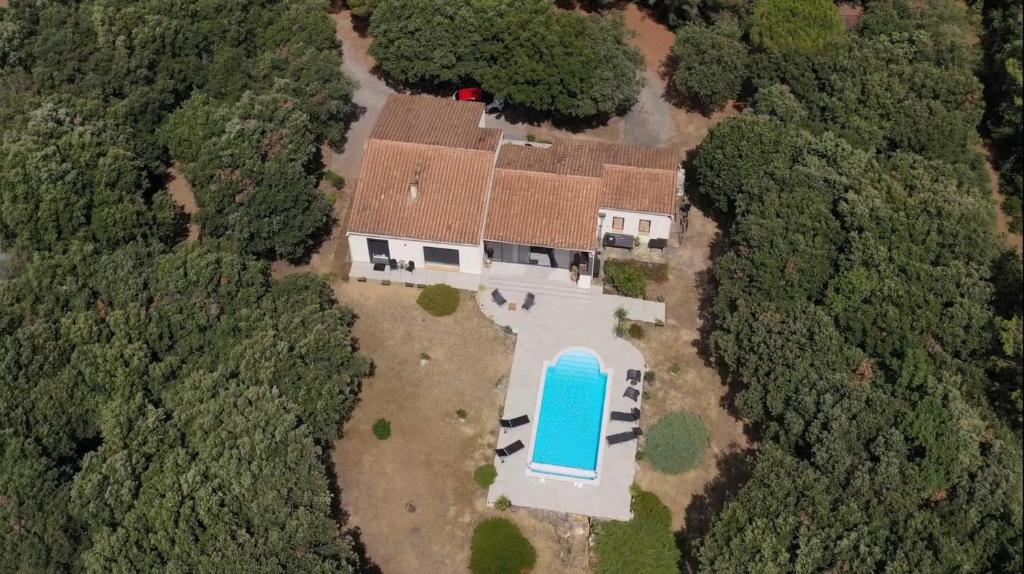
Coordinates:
(431, 455)
(181, 192)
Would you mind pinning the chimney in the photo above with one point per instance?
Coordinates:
(414, 188)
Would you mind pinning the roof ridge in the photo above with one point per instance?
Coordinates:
(433, 146)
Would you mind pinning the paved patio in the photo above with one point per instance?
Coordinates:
(564, 317)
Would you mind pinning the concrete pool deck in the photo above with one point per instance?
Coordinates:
(560, 320)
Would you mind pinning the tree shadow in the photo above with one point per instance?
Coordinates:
(364, 564)
(734, 469)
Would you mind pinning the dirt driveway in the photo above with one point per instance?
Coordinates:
(431, 455)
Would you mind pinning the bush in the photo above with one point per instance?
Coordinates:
(803, 26)
(676, 442)
(636, 331)
(644, 544)
(628, 280)
(711, 64)
(439, 300)
(502, 503)
(500, 548)
(382, 429)
(485, 475)
(336, 180)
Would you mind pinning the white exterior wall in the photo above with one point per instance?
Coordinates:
(661, 225)
(470, 256)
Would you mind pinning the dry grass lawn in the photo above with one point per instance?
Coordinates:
(431, 455)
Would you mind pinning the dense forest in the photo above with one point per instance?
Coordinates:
(164, 406)
(864, 309)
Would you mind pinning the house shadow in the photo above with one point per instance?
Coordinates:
(734, 469)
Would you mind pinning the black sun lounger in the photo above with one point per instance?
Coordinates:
(528, 302)
(633, 375)
(513, 423)
(624, 436)
(632, 416)
(509, 450)
(496, 296)
(632, 393)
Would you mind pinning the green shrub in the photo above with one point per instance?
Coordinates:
(336, 180)
(382, 429)
(439, 300)
(461, 414)
(676, 442)
(636, 331)
(627, 280)
(644, 544)
(500, 548)
(485, 475)
(804, 26)
(502, 503)
(650, 376)
(654, 272)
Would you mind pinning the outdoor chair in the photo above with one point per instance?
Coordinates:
(658, 243)
(509, 450)
(632, 393)
(393, 264)
(624, 436)
(633, 375)
(496, 296)
(528, 302)
(632, 416)
(379, 267)
(410, 266)
(513, 423)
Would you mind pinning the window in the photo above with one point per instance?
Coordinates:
(645, 226)
(441, 256)
(618, 223)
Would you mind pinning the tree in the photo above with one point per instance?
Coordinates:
(62, 179)
(807, 26)
(251, 167)
(555, 62)
(711, 63)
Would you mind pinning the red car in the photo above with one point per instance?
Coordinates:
(469, 95)
(478, 95)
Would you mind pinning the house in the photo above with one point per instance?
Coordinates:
(437, 191)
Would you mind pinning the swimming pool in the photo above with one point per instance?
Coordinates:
(567, 438)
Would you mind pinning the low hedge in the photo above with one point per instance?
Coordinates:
(500, 548)
(439, 300)
(676, 442)
(644, 544)
(485, 475)
(627, 280)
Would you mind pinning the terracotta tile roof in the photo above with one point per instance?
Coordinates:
(434, 121)
(542, 209)
(451, 198)
(636, 189)
(586, 157)
(635, 178)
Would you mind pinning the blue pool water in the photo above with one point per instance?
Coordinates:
(571, 412)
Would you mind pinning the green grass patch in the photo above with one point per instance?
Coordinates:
(676, 442)
(439, 300)
(645, 544)
(485, 475)
(500, 548)
(382, 429)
